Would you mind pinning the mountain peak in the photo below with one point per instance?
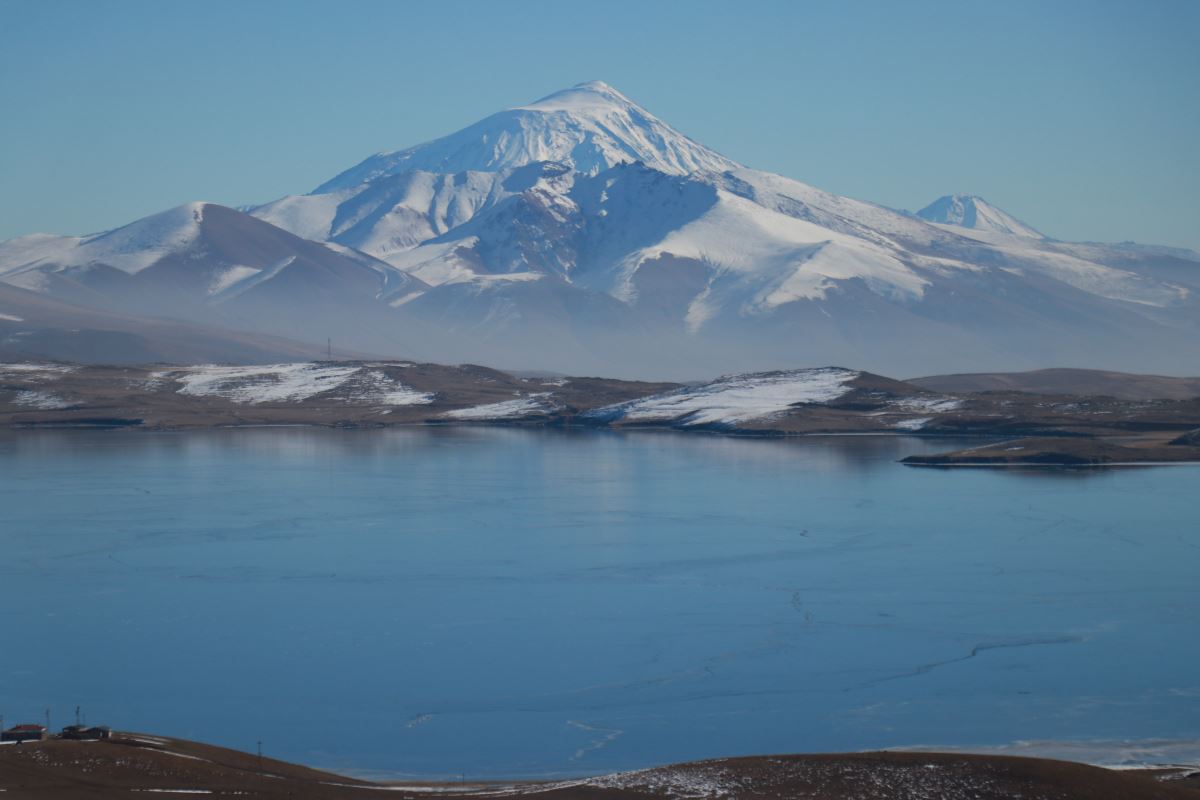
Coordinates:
(596, 86)
(972, 211)
(589, 95)
(589, 127)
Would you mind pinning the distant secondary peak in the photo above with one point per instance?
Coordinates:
(973, 212)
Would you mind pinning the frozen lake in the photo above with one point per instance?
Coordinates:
(501, 602)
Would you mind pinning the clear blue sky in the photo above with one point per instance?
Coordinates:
(1082, 118)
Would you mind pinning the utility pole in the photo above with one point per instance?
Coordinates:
(47, 720)
(260, 769)
(329, 348)
(76, 715)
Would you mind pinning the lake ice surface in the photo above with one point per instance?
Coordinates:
(503, 602)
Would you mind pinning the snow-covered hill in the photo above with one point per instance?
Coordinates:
(202, 249)
(581, 233)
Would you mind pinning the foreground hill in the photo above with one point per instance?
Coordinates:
(132, 764)
(567, 233)
(342, 393)
(1122, 385)
(823, 400)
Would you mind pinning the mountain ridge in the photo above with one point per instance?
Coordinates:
(566, 233)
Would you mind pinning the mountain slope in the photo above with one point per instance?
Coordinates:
(34, 326)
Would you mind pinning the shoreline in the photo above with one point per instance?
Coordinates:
(1010, 427)
(1050, 464)
(1034, 458)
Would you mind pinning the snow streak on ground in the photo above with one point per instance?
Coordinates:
(34, 372)
(175, 791)
(392, 393)
(274, 383)
(261, 384)
(685, 783)
(735, 398)
(928, 404)
(508, 409)
(41, 400)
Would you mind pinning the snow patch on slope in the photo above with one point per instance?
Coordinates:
(35, 371)
(276, 383)
(384, 390)
(40, 400)
(935, 404)
(260, 384)
(229, 277)
(735, 398)
(507, 409)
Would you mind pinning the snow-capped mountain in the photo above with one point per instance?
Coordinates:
(975, 213)
(581, 233)
(589, 127)
(392, 201)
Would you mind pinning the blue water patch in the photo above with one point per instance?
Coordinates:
(507, 602)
